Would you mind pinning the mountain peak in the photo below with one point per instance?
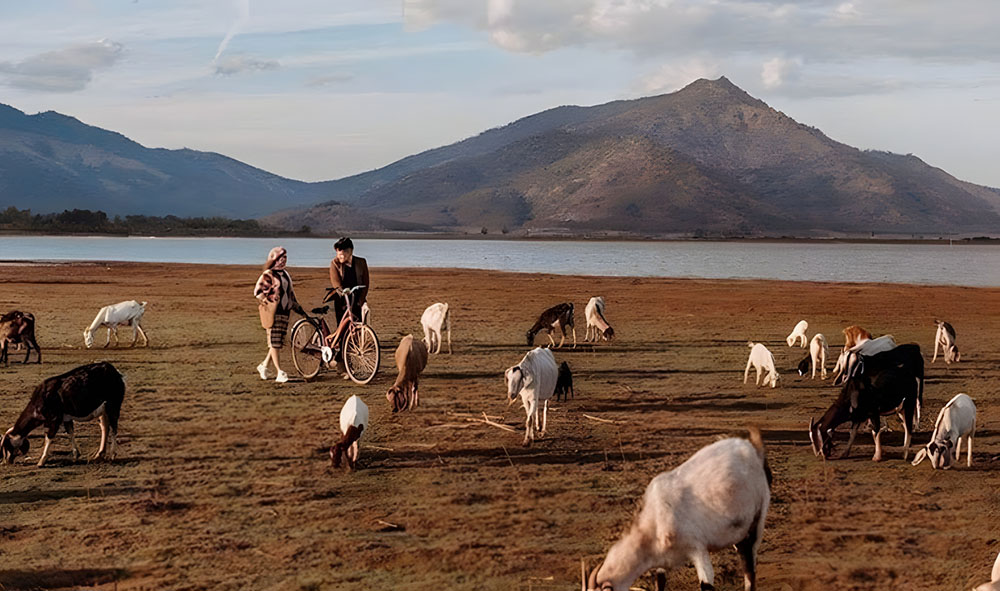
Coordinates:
(721, 87)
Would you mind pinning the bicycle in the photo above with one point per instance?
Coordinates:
(314, 346)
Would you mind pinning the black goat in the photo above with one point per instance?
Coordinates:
(906, 357)
(85, 393)
(18, 327)
(868, 396)
(559, 316)
(564, 383)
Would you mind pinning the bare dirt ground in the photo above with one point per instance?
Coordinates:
(223, 481)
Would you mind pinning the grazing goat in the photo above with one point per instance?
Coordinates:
(867, 397)
(719, 497)
(906, 357)
(798, 334)
(85, 393)
(597, 325)
(127, 313)
(761, 359)
(945, 338)
(18, 328)
(855, 335)
(956, 420)
(994, 584)
(847, 359)
(534, 379)
(411, 359)
(817, 356)
(353, 422)
(434, 319)
(564, 383)
(559, 316)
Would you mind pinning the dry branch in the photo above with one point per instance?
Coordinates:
(603, 420)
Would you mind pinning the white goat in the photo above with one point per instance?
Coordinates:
(798, 334)
(597, 325)
(847, 359)
(121, 314)
(353, 422)
(994, 584)
(817, 357)
(956, 420)
(435, 318)
(761, 359)
(717, 498)
(534, 379)
(945, 338)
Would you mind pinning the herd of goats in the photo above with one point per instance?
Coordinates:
(717, 498)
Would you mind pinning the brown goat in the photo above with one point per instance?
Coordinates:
(16, 328)
(411, 359)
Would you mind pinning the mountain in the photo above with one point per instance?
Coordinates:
(708, 158)
(50, 162)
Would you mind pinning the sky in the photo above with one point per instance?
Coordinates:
(322, 89)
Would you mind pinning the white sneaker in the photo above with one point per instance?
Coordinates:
(262, 370)
(282, 377)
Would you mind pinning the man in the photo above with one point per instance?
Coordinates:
(347, 270)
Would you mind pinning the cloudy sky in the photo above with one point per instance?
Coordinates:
(320, 89)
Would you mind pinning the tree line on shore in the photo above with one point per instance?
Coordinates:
(85, 221)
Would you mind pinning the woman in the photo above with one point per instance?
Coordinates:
(276, 299)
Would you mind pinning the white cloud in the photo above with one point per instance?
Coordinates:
(676, 75)
(63, 70)
(775, 71)
(240, 63)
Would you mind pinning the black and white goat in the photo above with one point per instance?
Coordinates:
(719, 497)
(867, 397)
(559, 316)
(18, 328)
(957, 420)
(85, 393)
(847, 359)
(534, 380)
(818, 351)
(597, 325)
(564, 383)
(945, 338)
(353, 422)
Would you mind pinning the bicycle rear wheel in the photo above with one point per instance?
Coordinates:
(362, 354)
(307, 344)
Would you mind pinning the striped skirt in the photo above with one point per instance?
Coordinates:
(276, 334)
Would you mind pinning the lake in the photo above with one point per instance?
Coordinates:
(961, 264)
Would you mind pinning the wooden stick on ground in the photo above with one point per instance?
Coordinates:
(602, 420)
(498, 425)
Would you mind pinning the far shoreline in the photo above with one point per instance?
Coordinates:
(547, 237)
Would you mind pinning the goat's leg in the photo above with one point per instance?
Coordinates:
(968, 452)
(747, 550)
(850, 440)
(108, 342)
(703, 566)
(746, 372)
(45, 450)
(68, 426)
(104, 437)
(758, 368)
(937, 343)
(545, 417)
(574, 336)
(877, 435)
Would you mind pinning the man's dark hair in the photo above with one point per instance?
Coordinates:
(344, 244)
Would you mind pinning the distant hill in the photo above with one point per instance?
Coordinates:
(709, 158)
(50, 162)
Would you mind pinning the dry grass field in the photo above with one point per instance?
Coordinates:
(222, 481)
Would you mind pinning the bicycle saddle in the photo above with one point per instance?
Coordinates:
(321, 310)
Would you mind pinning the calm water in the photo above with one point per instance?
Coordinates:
(894, 263)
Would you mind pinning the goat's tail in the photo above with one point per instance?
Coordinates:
(757, 441)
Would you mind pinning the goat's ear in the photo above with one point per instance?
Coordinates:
(920, 457)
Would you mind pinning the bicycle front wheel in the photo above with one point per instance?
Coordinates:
(307, 348)
(362, 354)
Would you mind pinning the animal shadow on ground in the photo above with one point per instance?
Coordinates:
(34, 495)
(60, 579)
